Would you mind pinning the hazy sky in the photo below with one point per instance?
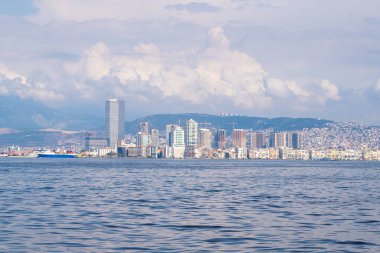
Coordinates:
(313, 58)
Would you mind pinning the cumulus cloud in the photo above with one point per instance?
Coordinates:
(5, 73)
(216, 71)
(285, 88)
(12, 83)
(216, 76)
(329, 91)
(152, 54)
(211, 76)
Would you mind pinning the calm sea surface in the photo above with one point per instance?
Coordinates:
(118, 205)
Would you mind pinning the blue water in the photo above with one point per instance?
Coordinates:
(118, 205)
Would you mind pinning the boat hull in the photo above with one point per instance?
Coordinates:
(56, 156)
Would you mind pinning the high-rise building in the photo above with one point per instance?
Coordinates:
(144, 127)
(177, 137)
(297, 139)
(191, 133)
(155, 137)
(115, 112)
(176, 146)
(279, 140)
(205, 137)
(289, 140)
(220, 139)
(257, 140)
(239, 138)
(169, 129)
(143, 140)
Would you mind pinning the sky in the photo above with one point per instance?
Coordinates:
(297, 58)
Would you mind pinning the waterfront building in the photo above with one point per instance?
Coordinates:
(103, 152)
(191, 133)
(177, 136)
(155, 137)
(132, 151)
(239, 138)
(257, 140)
(152, 152)
(142, 152)
(273, 153)
(220, 139)
(262, 153)
(143, 139)
(279, 140)
(297, 139)
(144, 127)
(176, 147)
(169, 129)
(92, 142)
(205, 137)
(115, 113)
(294, 154)
(289, 140)
(241, 153)
(371, 155)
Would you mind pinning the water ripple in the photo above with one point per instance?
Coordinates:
(126, 205)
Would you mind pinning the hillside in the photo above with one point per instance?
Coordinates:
(159, 121)
(28, 114)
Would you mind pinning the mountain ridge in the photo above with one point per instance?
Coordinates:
(20, 113)
(159, 121)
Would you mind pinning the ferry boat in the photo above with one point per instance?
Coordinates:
(49, 154)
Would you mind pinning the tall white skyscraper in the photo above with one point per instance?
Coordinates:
(115, 113)
(175, 148)
(178, 137)
(191, 139)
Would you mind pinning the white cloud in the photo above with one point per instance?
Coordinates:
(329, 91)
(11, 75)
(155, 52)
(285, 88)
(12, 83)
(208, 77)
(215, 71)
(96, 63)
(216, 76)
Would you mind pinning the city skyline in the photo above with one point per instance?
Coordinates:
(282, 58)
(331, 140)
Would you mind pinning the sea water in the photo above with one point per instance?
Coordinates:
(118, 205)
